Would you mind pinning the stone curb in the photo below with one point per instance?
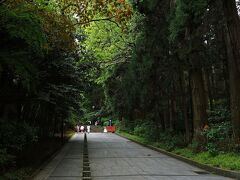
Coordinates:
(214, 170)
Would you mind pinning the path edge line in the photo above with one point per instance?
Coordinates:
(211, 169)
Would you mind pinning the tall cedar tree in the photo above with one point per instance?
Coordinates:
(233, 48)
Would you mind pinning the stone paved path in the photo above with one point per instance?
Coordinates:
(115, 158)
(67, 165)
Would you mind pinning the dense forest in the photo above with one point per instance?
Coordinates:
(165, 70)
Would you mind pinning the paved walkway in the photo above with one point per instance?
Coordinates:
(115, 158)
(67, 165)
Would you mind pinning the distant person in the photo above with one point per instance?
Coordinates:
(82, 128)
(88, 128)
(105, 130)
(110, 122)
(77, 128)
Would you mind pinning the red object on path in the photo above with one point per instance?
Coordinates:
(111, 129)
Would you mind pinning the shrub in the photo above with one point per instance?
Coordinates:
(15, 135)
(219, 114)
(219, 137)
(171, 140)
(146, 130)
(140, 130)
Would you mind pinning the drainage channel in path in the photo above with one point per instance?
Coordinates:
(86, 174)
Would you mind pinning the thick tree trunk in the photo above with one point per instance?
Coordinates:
(162, 120)
(184, 105)
(157, 122)
(172, 113)
(233, 48)
(172, 116)
(226, 80)
(166, 120)
(198, 102)
(207, 87)
(234, 78)
(199, 105)
(170, 105)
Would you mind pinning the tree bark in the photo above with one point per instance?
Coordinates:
(199, 102)
(166, 120)
(233, 50)
(207, 87)
(184, 105)
(199, 105)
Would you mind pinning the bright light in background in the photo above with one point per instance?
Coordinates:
(76, 41)
(75, 16)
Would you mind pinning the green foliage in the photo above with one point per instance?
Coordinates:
(20, 23)
(105, 121)
(106, 39)
(219, 138)
(23, 40)
(72, 120)
(222, 160)
(219, 132)
(108, 47)
(145, 6)
(170, 141)
(140, 130)
(24, 71)
(89, 116)
(56, 73)
(219, 115)
(146, 130)
(133, 137)
(187, 14)
(185, 152)
(15, 136)
(179, 19)
(40, 76)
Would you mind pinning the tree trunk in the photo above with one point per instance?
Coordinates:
(198, 100)
(166, 120)
(198, 94)
(170, 105)
(207, 87)
(184, 105)
(172, 111)
(233, 48)
(234, 77)
(226, 80)
(162, 119)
